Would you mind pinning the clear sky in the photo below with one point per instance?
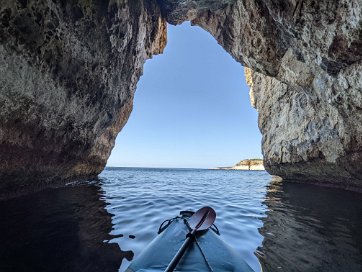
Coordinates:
(191, 108)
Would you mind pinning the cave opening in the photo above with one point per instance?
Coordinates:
(191, 108)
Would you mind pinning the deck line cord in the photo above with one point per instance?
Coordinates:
(203, 255)
(197, 243)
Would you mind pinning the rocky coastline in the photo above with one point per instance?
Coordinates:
(248, 164)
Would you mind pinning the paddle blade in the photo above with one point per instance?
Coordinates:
(202, 219)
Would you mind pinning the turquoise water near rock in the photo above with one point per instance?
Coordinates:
(101, 225)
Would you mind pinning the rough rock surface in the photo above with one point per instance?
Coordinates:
(178, 11)
(68, 72)
(312, 134)
(305, 77)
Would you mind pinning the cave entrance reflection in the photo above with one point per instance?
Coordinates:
(191, 108)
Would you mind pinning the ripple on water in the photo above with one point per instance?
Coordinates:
(287, 230)
(309, 228)
(153, 195)
(82, 227)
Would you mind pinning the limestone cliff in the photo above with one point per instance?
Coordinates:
(69, 70)
(248, 164)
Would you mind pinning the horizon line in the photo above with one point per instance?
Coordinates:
(176, 167)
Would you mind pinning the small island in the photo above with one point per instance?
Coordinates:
(248, 164)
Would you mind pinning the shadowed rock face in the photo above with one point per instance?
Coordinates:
(68, 75)
(69, 71)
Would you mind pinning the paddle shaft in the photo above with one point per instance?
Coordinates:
(180, 253)
(200, 220)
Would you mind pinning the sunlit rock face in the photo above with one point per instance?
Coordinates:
(305, 78)
(312, 134)
(68, 72)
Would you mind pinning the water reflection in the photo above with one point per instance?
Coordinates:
(64, 229)
(306, 228)
(310, 228)
(141, 199)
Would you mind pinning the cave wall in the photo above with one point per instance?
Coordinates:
(69, 71)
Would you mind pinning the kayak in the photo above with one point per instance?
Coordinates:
(208, 252)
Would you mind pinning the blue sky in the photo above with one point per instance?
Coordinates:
(191, 108)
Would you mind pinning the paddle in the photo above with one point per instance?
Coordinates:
(200, 220)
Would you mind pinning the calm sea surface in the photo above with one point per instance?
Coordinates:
(102, 224)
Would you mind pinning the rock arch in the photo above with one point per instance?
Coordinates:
(69, 72)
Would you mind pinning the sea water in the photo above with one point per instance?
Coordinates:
(101, 225)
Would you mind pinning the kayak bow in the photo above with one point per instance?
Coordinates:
(208, 252)
(201, 220)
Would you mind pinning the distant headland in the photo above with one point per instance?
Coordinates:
(248, 164)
